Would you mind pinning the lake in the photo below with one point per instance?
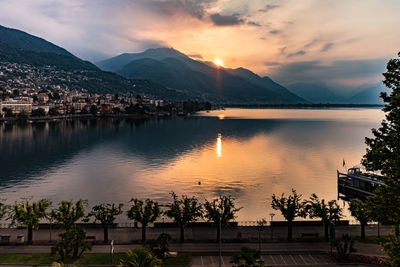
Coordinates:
(247, 153)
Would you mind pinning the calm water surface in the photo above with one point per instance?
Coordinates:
(247, 153)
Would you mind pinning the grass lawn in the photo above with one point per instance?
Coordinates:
(183, 259)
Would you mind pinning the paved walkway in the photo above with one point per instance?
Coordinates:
(211, 249)
(203, 234)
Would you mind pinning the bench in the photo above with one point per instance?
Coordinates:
(309, 235)
(91, 238)
(171, 254)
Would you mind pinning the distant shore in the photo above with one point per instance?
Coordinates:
(320, 105)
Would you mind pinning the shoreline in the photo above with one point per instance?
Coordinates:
(12, 120)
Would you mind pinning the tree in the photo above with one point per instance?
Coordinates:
(140, 257)
(72, 244)
(184, 211)
(290, 207)
(93, 110)
(106, 214)
(68, 213)
(116, 110)
(361, 211)
(28, 214)
(383, 149)
(327, 212)
(53, 112)
(3, 209)
(8, 112)
(56, 96)
(144, 213)
(221, 210)
(23, 116)
(38, 112)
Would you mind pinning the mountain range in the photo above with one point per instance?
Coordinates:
(172, 68)
(321, 93)
(22, 48)
(169, 74)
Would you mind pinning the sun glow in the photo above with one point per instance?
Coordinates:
(218, 62)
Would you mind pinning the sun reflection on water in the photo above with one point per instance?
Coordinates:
(219, 145)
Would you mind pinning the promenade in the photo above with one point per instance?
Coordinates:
(200, 241)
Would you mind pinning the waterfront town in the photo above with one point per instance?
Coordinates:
(20, 91)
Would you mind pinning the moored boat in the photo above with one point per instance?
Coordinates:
(356, 183)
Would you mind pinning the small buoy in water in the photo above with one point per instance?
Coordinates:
(199, 183)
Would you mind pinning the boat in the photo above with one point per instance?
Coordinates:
(356, 183)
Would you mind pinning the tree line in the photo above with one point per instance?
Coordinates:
(182, 210)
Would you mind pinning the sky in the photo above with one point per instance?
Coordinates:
(345, 42)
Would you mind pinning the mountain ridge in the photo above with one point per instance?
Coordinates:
(19, 47)
(199, 78)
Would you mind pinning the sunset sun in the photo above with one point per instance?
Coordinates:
(218, 62)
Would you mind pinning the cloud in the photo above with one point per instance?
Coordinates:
(197, 56)
(275, 31)
(272, 63)
(298, 53)
(312, 43)
(268, 8)
(194, 8)
(226, 20)
(327, 47)
(253, 23)
(336, 71)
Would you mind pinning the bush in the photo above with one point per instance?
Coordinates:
(344, 247)
(38, 112)
(140, 257)
(247, 257)
(72, 244)
(53, 112)
(392, 248)
(160, 246)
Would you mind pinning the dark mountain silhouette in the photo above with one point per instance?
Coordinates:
(176, 70)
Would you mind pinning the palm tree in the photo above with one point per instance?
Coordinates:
(140, 257)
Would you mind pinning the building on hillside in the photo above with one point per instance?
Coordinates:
(46, 108)
(15, 105)
(78, 105)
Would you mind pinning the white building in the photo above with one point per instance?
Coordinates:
(15, 105)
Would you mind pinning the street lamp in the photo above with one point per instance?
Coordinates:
(272, 219)
(219, 239)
